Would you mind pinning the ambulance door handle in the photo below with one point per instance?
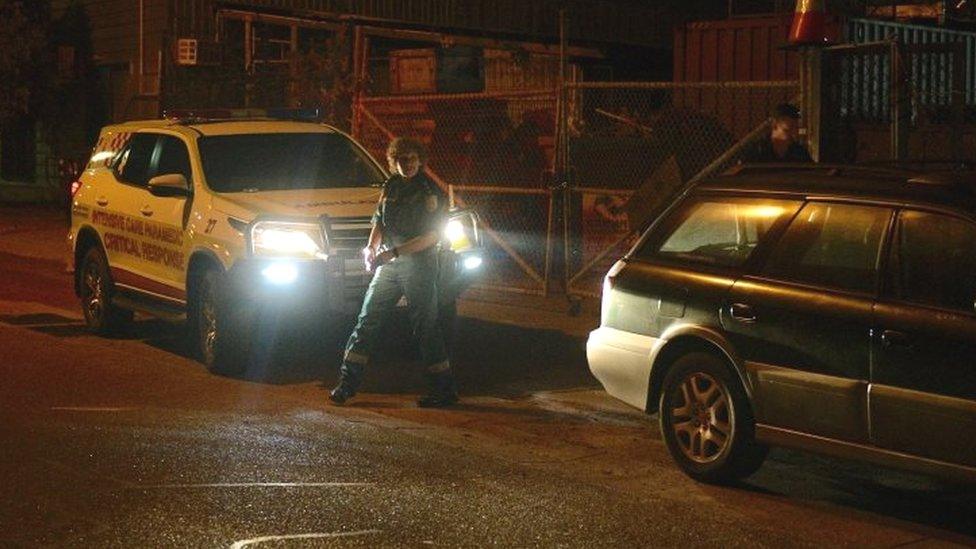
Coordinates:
(146, 211)
(101, 201)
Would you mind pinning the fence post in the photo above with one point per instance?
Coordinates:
(812, 98)
(900, 105)
(562, 146)
(360, 54)
(958, 97)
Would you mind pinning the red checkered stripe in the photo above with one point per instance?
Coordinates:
(109, 143)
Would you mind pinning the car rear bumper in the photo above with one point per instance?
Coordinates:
(621, 361)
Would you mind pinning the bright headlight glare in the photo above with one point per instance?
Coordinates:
(456, 235)
(454, 230)
(280, 273)
(297, 240)
(472, 262)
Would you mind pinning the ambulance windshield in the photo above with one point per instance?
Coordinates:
(285, 161)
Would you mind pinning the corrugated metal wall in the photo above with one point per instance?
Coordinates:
(745, 49)
(737, 49)
(620, 21)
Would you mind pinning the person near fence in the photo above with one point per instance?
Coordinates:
(783, 142)
(402, 252)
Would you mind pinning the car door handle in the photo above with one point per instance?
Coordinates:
(146, 211)
(101, 201)
(894, 338)
(742, 312)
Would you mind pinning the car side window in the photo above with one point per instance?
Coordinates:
(134, 162)
(717, 231)
(173, 157)
(934, 261)
(832, 245)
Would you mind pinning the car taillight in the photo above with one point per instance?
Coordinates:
(75, 185)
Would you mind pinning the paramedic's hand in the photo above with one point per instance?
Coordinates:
(384, 257)
(369, 258)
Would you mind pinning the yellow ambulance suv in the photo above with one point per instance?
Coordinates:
(212, 219)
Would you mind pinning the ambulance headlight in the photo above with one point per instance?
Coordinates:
(461, 232)
(472, 262)
(288, 240)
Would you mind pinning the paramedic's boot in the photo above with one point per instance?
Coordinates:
(350, 375)
(442, 393)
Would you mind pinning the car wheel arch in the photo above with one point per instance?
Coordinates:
(688, 341)
(200, 261)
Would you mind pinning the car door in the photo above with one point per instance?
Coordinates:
(116, 202)
(923, 390)
(801, 321)
(163, 218)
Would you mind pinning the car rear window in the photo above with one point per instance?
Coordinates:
(285, 161)
(722, 232)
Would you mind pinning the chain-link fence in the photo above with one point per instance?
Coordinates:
(491, 151)
(627, 147)
(632, 145)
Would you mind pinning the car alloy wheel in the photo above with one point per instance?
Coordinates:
(207, 320)
(93, 292)
(217, 328)
(702, 418)
(95, 289)
(706, 419)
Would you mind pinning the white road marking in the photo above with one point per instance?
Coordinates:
(93, 408)
(263, 539)
(261, 485)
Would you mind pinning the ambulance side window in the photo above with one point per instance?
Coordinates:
(133, 164)
(173, 158)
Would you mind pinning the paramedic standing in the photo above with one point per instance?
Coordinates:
(402, 252)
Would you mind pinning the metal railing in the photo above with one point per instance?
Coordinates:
(927, 74)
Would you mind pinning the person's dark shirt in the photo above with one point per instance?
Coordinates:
(763, 151)
(410, 208)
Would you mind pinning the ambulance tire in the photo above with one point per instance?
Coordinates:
(216, 325)
(96, 289)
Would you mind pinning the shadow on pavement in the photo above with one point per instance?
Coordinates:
(489, 359)
(862, 487)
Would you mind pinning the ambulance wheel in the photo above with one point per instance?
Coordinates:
(96, 289)
(215, 327)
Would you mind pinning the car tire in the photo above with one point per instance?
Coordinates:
(217, 327)
(96, 289)
(707, 422)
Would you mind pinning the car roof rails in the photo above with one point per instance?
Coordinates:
(913, 169)
(821, 169)
(188, 117)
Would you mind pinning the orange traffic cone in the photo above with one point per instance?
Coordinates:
(809, 23)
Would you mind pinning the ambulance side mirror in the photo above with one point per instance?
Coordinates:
(171, 184)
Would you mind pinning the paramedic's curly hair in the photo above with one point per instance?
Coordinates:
(405, 145)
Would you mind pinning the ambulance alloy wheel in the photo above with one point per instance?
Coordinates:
(216, 329)
(706, 420)
(96, 289)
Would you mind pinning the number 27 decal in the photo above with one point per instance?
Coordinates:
(211, 223)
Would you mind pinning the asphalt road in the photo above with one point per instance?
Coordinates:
(129, 442)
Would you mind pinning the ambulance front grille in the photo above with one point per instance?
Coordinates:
(347, 238)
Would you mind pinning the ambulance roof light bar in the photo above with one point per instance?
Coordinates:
(198, 116)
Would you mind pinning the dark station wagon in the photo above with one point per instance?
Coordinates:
(825, 308)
